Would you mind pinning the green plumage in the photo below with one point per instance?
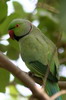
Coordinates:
(37, 52)
(52, 88)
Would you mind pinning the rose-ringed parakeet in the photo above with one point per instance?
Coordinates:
(36, 51)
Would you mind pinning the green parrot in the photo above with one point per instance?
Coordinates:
(36, 51)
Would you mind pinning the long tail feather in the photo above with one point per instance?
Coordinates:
(52, 88)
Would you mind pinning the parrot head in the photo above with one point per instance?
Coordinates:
(19, 28)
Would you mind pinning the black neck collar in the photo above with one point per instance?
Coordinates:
(19, 37)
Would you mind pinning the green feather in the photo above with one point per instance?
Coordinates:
(52, 88)
(51, 84)
(41, 70)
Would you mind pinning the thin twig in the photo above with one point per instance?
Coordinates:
(58, 94)
(45, 78)
(48, 7)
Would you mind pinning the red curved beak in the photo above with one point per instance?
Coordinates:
(11, 34)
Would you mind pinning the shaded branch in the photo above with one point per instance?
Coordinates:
(23, 77)
(62, 84)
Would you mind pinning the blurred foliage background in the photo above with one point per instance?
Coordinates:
(50, 17)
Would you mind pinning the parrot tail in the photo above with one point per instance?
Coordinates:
(52, 88)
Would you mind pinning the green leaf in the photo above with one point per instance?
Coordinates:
(3, 48)
(14, 44)
(13, 92)
(7, 0)
(3, 10)
(49, 24)
(19, 9)
(4, 79)
(12, 53)
(13, 49)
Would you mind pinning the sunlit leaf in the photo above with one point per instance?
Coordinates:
(19, 9)
(13, 92)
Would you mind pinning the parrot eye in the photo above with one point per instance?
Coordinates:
(17, 25)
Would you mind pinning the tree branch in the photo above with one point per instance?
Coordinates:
(23, 77)
(58, 94)
(62, 84)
